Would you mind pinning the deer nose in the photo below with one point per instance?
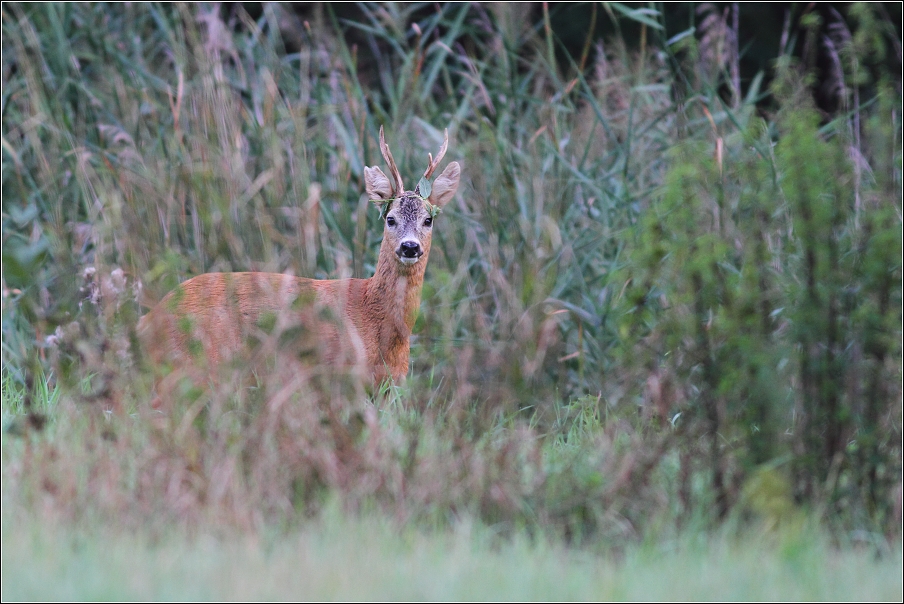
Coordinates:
(409, 249)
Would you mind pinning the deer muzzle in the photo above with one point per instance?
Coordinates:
(409, 252)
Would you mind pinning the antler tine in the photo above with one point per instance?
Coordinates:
(393, 169)
(433, 163)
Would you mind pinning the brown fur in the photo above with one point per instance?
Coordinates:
(363, 324)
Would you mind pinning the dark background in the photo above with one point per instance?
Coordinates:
(760, 29)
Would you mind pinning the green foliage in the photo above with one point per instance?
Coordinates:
(22, 409)
(752, 289)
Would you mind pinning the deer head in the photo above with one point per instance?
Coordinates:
(409, 215)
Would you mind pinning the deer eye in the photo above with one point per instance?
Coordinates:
(428, 221)
(390, 221)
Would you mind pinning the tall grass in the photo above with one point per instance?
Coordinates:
(622, 287)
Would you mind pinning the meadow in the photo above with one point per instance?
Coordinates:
(658, 354)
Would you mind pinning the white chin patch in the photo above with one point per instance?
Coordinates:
(405, 260)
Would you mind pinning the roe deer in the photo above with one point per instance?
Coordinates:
(209, 319)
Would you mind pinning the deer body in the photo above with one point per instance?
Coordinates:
(360, 323)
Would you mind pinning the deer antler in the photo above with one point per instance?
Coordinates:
(393, 169)
(433, 163)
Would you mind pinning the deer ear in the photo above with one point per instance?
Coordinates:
(376, 184)
(445, 185)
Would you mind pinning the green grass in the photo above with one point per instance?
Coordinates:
(58, 548)
(368, 559)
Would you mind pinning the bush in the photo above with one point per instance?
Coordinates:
(762, 306)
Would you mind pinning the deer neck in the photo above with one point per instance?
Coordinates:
(395, 289)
